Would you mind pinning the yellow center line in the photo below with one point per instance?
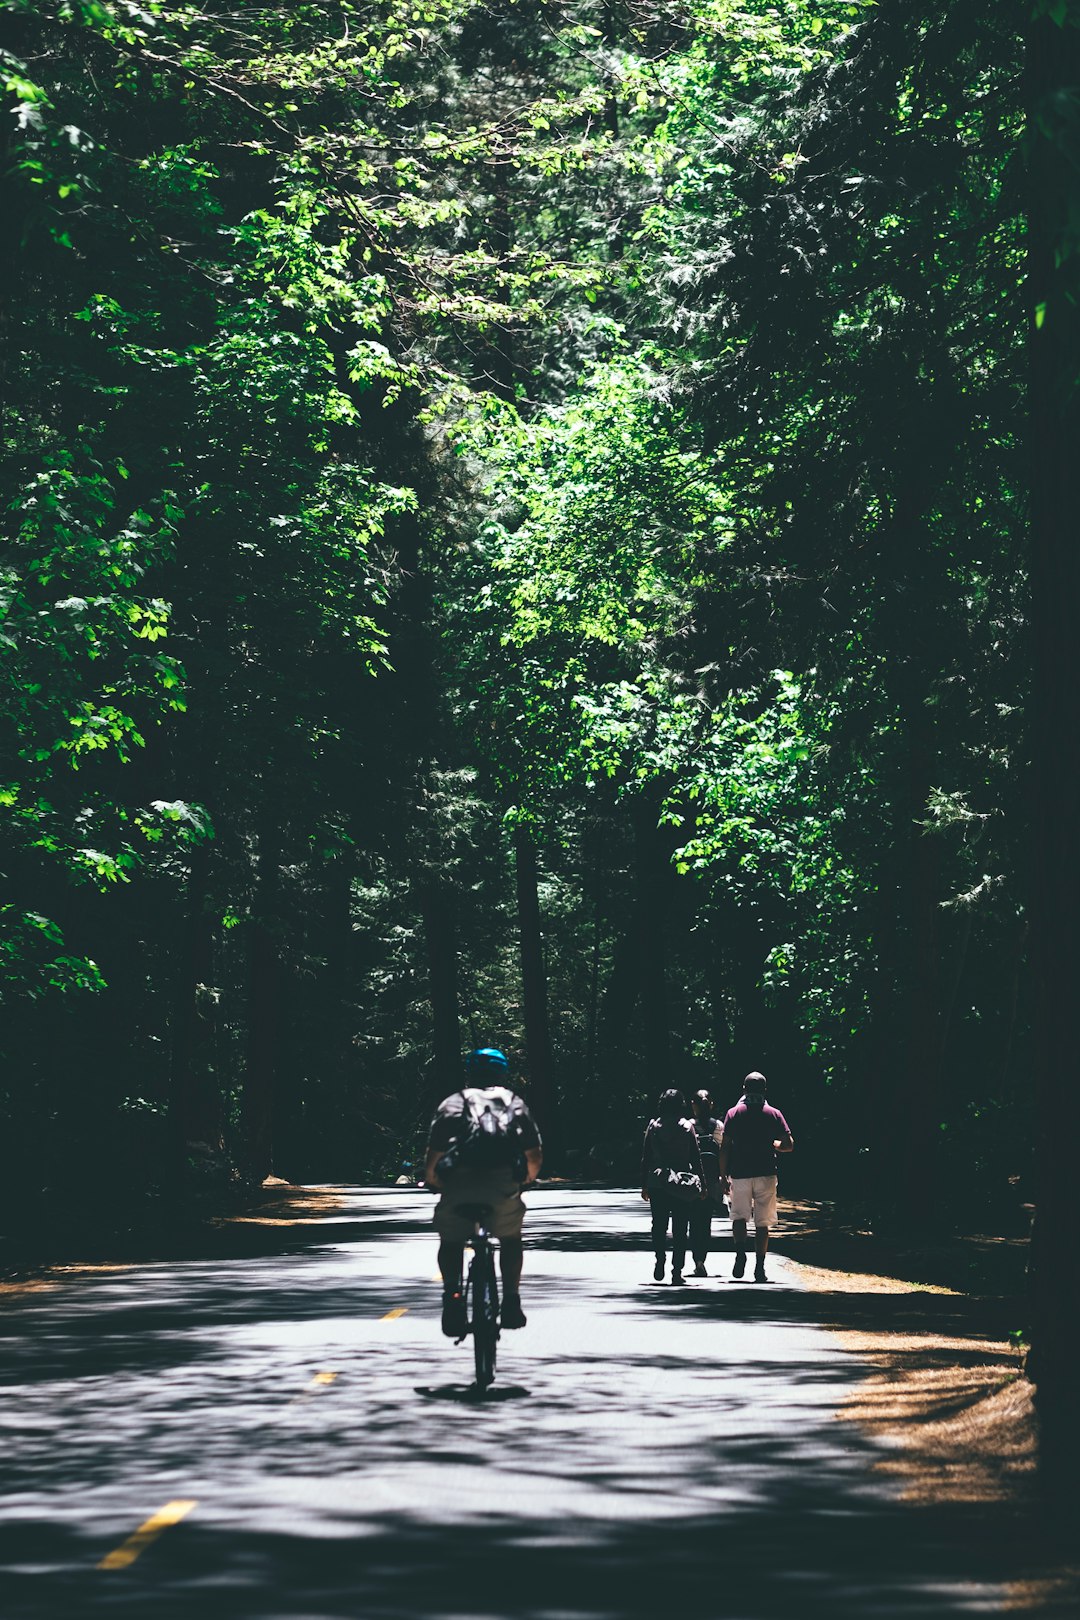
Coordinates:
(129, 1550)
(320, 1380)
(391, 1316)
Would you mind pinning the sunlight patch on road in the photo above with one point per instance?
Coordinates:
(129, 1550)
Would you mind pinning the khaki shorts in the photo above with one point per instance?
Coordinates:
(494, 1187)
(757, 1193)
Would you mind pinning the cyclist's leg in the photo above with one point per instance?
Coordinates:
(451, 1261)
(511, 1259)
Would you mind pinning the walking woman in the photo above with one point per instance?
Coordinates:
(670, 1144)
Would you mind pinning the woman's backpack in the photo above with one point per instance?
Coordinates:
(682, 1185)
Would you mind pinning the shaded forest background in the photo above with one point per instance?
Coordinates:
(517, 532)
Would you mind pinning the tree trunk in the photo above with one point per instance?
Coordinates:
(652, 875)
(1054, 302)
(719, 997)
(541, 1092)
(194, 1102)
(592, 1008)
(264, 1023)
(444, 1070)
(904, 1072)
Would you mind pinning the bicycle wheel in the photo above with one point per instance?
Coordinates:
(485, 1317)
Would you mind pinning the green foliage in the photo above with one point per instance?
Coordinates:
(426, 419)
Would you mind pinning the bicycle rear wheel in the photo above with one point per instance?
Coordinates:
(485, 1318)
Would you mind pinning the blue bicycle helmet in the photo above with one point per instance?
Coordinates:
(487, 1060)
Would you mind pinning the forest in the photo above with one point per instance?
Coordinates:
(548, 525)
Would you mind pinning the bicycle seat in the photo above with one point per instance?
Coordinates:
(474, 1212)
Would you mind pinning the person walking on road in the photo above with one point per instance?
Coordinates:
(670, 1145)
(709, 1136)
(753, 1134)
(482, 1147)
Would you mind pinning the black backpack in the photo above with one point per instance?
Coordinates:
(708, 1146)
(490, 1135)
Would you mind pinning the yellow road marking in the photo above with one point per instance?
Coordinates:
(320, 1379)
(391, 1316)
(127, 1553)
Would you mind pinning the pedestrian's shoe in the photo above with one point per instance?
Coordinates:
(699, 1270)
(658, 1269)
(740, 1264)
(454, 1321)
(512, 1314)
(677, 1279)
(759, 1274)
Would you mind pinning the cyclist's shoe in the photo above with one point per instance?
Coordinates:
(699, 1270)
(455, 1323)
(759, 1274)
(512, 1314)
(658, 1269)
(740, 1264)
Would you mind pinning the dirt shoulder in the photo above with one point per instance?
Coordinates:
(945, 1395)
(280, 1203)
(276, 1216)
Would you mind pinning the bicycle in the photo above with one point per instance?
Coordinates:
(482, 1293)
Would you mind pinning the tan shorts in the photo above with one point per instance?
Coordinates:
(494, 1187)
(756, 1194)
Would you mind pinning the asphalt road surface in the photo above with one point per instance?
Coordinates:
(291, 1438)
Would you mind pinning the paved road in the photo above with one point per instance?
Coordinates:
(300, 1441)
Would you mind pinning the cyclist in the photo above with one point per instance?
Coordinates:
(482, 1147)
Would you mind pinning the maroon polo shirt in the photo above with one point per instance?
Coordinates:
(750, 1134)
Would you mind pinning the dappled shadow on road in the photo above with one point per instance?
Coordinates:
(180, 1318)
(621, 1469)
(803, 1552)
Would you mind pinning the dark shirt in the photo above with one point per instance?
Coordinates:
(750, 1134)
(673, 1146)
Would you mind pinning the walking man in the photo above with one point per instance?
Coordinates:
(707, 1127)
(753, 1134)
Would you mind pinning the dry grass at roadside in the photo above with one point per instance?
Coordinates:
(957, 1417)
(281, 1204)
